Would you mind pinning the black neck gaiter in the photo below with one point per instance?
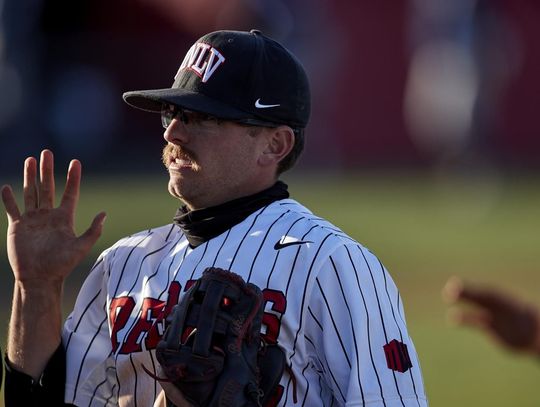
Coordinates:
(201, 225)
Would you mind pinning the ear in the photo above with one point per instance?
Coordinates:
(279, 143)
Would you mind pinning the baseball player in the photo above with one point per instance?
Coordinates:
(234, 120)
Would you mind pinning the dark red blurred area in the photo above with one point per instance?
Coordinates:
(370, 85)
(358, 56)
(520, 111)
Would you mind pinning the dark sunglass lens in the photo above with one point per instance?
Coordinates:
(168, 112)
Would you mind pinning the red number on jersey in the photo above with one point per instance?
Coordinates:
(119, 313)
(272, 320)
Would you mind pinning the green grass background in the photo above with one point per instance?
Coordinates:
(425, 228)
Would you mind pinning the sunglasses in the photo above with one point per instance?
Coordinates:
(197, 122)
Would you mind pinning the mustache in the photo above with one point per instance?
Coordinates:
(174, 151)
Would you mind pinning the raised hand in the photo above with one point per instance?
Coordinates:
(41, 242)
(507, 319)
(42, 249)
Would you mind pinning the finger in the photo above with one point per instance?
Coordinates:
(72, 190)
(487, 298)
(452, 290)
(10, 204)
(30, 193)
(174, 394)
(474, 319)
(87, 240)
(161, 400)
(46, 186)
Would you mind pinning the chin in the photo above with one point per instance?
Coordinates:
(179, 192)
(175, 190)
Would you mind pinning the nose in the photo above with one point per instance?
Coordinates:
(176, 133)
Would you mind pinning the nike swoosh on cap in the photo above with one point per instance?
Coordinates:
(286, 242)
(259, 105)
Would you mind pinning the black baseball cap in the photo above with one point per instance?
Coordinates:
(236, 75)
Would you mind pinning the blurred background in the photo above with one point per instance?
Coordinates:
(424, 142)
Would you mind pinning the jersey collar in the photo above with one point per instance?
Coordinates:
(201, 225)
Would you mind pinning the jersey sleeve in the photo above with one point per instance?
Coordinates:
(356, 327)
(22, 390)
(87, 343)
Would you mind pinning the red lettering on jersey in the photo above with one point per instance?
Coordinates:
(151, 310)
(157, 329)
(272, 320)
(149, 326)
(189, 284)
(119, 313)
(174, 296)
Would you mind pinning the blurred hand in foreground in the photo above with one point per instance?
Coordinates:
(508, 320)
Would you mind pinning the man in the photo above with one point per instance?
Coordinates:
(234, 121)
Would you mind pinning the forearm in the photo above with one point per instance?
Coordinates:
(536, 343)
(35, 326)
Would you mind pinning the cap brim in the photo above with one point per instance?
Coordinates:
(153, 100)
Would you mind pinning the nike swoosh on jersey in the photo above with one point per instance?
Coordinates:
(259, 105)
(282, 244)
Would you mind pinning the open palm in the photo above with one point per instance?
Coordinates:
(41, 242)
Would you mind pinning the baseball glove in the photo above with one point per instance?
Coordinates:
(212, 348)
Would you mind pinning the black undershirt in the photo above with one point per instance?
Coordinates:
(199, 226)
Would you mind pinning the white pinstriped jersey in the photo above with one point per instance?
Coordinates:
(329, 302)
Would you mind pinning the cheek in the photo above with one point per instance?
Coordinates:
(230, 156)
(237, 158)
(264, 160)
(245, 160)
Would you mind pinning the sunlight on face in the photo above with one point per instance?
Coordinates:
(211, 168)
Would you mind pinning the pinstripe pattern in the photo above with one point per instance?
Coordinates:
(351, 321)
(330, 304)
(382, 318)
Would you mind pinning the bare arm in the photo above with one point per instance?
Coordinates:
(507, 319)
(42, 250)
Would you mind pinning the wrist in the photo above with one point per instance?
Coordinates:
(36, 286)
(36, 308)
(536, 343)
(33, 301)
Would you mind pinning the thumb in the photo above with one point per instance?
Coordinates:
(92, 234)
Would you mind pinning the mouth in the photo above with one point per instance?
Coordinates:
(179, 163)
(176, 160)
